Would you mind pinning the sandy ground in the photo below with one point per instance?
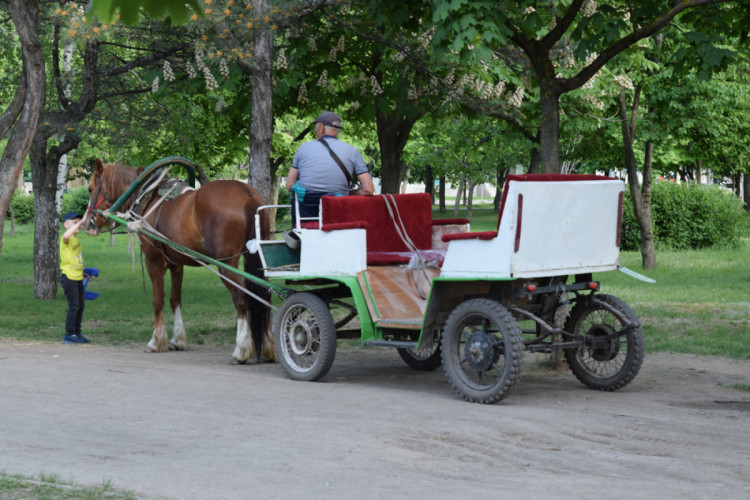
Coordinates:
(190, 425)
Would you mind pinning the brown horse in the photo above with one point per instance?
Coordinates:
(215, 220)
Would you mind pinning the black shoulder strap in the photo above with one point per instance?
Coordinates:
(338, 161)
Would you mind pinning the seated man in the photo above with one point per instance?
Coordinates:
(326, 166)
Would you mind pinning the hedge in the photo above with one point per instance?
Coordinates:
(76, 199)
(688, 216)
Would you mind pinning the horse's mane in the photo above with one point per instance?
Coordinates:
(119, 178)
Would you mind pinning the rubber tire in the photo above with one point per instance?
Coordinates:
(469, 313)
(321, 331)
(423, 359)
(634, 342)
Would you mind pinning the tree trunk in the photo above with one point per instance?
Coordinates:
(260, 74)
(470, 199)
(641, 196)
(500, 182)
(441, 195)
(23, 115)
(429, 183)
(549, 130)
(746, 189)
(459, 191)
(393, 133)
(46, 221)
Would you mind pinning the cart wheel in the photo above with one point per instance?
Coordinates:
(305, 337)
(423, 359)
(482, 351)
(612, 353)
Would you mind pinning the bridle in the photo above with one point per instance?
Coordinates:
(101, 189)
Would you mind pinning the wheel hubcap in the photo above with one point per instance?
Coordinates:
(480, 351)
(299, 339)
(606, 349)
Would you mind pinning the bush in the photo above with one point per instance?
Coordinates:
(23, 207)
(76, 200)
(688, 216)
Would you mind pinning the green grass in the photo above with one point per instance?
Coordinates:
(700, 303)
(123, 314)
(50, 487)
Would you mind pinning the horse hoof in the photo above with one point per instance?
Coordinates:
(236, 362)
(148, 349)
(175, 347)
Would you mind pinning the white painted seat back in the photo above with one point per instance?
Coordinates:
(548, 228)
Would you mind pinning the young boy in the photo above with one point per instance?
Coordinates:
(71, 278)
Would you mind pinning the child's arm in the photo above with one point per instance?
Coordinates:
(72, 230)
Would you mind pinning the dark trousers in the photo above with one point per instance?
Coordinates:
(74, 293)
(310, 206)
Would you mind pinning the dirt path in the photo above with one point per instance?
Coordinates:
(190, 425)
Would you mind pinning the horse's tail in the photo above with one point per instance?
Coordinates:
(259, 312)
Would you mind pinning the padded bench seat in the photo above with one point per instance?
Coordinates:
(384, 244)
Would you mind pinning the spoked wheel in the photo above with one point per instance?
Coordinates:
(305, 337)
(423, 359)
(482, 351)
(613, 347)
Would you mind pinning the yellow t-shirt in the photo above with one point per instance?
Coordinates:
(71, 259)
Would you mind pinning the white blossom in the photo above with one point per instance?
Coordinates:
(590, 58)
(155, 85)
(412, 93)
(589, 8)
(220, 104)
(375, 86)
(311, 43)
(211, 83)
(191, 70)
(398, 57)
(340, 46)
(302, 94)
(323, 80)
(624, 82)
(281, 60)
(355, 105)
(224, 68)
(332, 55)
(516, 99)
(498, 90)
(167, 72)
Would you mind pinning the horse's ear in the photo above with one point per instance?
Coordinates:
(98, 167)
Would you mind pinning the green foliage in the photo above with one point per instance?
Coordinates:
(76, 200)
(130, 10)
(23, 207)
(688, 216)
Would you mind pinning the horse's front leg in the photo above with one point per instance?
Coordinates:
(158, 342)
(179, 337)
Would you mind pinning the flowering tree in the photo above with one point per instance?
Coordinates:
(541, 30)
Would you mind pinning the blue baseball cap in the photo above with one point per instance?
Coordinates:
(71, 215)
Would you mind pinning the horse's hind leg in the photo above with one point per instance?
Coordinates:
(179, 337)
(245, 347)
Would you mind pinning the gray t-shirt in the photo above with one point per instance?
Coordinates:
(318, 171)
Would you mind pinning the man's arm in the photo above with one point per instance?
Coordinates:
(366, 187)
(291, 178)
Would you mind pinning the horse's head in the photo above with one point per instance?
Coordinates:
(100, 198)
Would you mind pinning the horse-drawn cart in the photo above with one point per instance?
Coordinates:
(380, 269)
